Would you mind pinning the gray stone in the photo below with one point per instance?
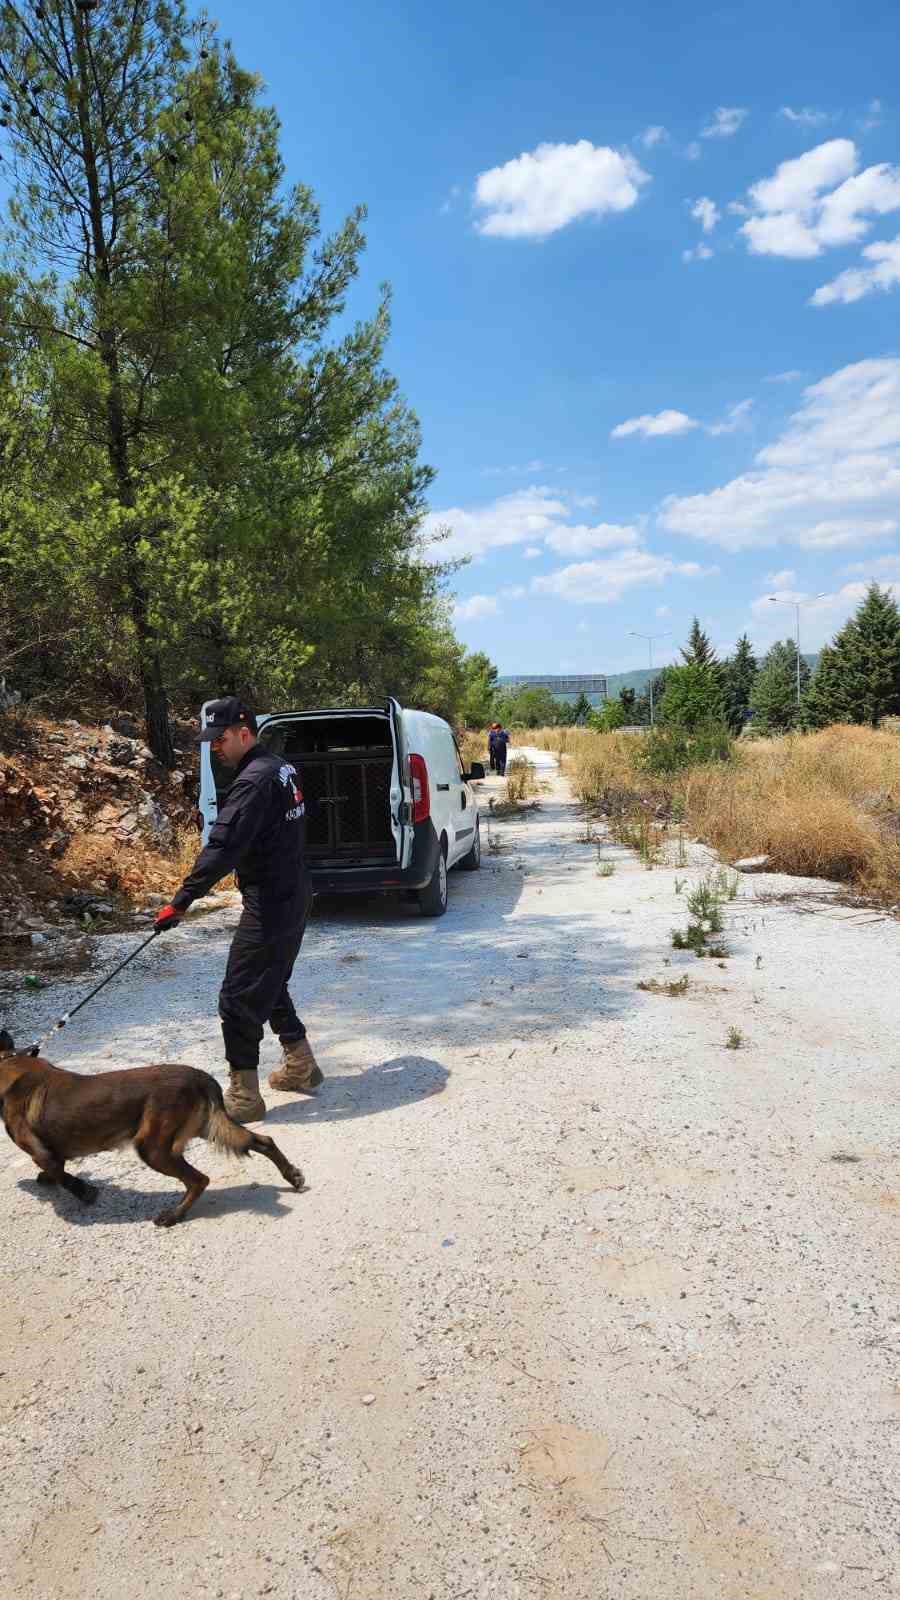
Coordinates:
(76, 761)
(752, 864)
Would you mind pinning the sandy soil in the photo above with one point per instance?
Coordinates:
(578, 1302)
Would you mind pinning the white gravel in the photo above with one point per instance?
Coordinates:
(578, 1303)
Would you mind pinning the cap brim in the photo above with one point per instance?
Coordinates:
(208, 734)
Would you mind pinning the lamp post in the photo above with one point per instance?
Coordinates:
(650, 637)
(776, 601)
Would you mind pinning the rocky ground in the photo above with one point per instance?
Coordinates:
(578, 1301)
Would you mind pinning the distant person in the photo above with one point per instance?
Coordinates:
(492, 745)
(502, 740)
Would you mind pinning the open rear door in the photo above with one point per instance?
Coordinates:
(401, 792)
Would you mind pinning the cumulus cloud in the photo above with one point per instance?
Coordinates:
(700, 252)
(807, 117)
(652, 136)
(537, 519)
(821, 615)
(581, 540)
(817, 201)
(856, 282)
(532, 552)
(476, 607)
(832, 478)
(544, 189)
(706, 212)
(726, 121)
(604, 581)
(665, 422)
(780, 580)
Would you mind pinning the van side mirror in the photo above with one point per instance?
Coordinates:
(475, 772)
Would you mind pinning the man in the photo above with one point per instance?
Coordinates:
(260, 833)
(492, 745)
(502, 740)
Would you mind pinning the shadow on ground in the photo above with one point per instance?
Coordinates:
(400, 1082)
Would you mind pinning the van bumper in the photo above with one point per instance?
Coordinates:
(332, 877)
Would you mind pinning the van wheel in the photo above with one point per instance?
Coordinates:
(472, 861)
(433, 898)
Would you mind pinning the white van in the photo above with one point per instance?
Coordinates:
(389, 804)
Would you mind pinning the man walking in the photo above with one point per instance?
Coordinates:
(500, 748)
(260, 834)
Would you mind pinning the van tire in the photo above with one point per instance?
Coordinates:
(472, 861)
(433, 898)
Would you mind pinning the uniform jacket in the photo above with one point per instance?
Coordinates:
(260, 834)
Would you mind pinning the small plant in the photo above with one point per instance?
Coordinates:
(606, 869)
(703, 902)
(681, 859)
(521, 780)
(734, 1039)
(717, 952)
(679, 884)
(590, 835)
(672, 987)
(693, 937)
(726, 884)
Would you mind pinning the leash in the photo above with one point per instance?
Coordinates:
(35, 1048)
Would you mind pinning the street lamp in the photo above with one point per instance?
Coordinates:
(650, 637)
(797, 604)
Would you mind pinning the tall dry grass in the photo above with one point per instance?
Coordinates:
(473, 746)
(821, 805)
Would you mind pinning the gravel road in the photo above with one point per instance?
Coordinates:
(578, 1302)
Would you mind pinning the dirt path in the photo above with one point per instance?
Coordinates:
(578, 1303)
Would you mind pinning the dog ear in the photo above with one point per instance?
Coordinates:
(7, 1043)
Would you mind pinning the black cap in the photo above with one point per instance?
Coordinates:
(229, 712)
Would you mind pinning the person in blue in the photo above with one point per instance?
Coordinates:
(492, 745)
(501, 740)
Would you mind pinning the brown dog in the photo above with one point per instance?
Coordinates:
(56, 1116)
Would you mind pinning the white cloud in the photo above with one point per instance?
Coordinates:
(780, 580)
(602, 582)
(517, 518)
(835, 534)
(692, 151)
(882, 567)
(706, 212)
(820, 616)
(516, 591)
(532, 553)
(664, 611)
(737, 418)
(652, 136)
(581, 540)
(819, 200)
(665, 422)
(737, 208)
(476, 607)
(726, 121)
(526, 469)
(807, 117)
(792, 376)
(857, 282)
(874, 116)
(831, 478)
(543, 190)
(701, 252)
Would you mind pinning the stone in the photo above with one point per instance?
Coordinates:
(752, 864)
(126, 726)
(76, 761)
(121, 753)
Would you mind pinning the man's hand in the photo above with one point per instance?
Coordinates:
(166, 917)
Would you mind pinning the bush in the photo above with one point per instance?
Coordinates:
(670, 750)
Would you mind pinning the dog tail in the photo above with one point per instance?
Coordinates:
(221, 1130)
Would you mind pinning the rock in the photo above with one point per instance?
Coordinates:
(752, 864)
(121, 753)
(126, 726)
(78, 762)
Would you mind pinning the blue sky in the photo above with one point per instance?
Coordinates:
(646, 274)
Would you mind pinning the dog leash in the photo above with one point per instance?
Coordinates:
(34, 1049)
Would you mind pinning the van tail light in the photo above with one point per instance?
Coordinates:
(418, 782)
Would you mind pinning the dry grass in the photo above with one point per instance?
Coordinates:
(473, 747)
(821, 805)
(521, 781)
(132, 871)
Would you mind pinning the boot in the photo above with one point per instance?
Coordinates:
(243, 1100)
(299, 1068)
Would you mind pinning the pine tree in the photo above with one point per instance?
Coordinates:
(699, 652)
(693, 696)
(858, 676)
(738, 674)
(773, 698)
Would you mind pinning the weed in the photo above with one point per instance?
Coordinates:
(693, 937)
(681, 859)
(717, 952)
(521, 780)
(590, 834)
(673, 987)
(606, 869)
(734, 1039)
(679, 884)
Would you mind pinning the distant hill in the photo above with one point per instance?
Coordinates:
(639, 679)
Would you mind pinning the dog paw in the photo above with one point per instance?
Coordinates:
(296, 1178)
(166, 1219)
(44, 1177)
(86, 1192)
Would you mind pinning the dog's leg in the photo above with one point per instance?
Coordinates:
(159, 1155)
(51, 1169)
(264, 1146)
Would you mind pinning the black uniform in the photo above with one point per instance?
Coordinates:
(260, 834)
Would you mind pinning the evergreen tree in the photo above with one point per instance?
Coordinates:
(480, 689)
(738, 674)
(642, 704)
(699, 652)
(773, 698)
(857, 678)
(628, 698)
(581, 709)
(693, 696)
